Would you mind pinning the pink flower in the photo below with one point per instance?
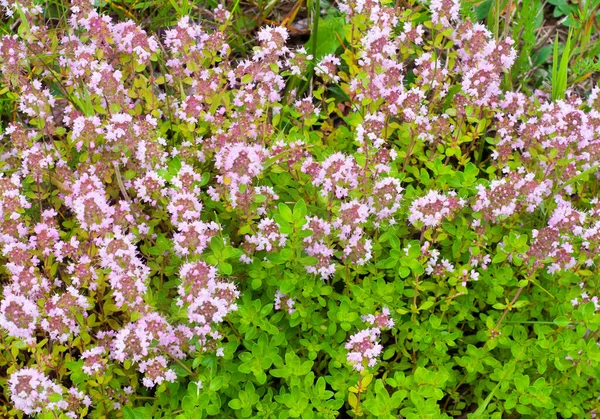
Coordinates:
(207, 298)
(75, 400)
(324, 266)
(155, 371)
(445, 12)
(267, 237)
(61, 310)
(30, 391)
(381, 320)
(19, 316)
(430, 209)
(282, 300)
(94, 361)
(337, 175)
(364, 348)
(327, 68)
(192, 238)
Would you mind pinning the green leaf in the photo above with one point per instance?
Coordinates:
(394, 241)
(541, 56)
(483, 9)
(128, 413)
(308, 261)
(330, 31)
(225, 268)
(164, 174)
(235, 404)
(300, 210)
(286, 212)
(55, 397)
(561, 321)
(216, 244)
(174, 165)
(499, 257)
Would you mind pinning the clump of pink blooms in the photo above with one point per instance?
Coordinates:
(337, 175)
(508, 195)
(380, 320)
(430, 209)
(207, 298)
(60, 320)
(364, 348)
(316, 246)
(19, 316)
(267, 238)
(282, 301)
(30, 391)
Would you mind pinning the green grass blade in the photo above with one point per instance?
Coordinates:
(560, 70)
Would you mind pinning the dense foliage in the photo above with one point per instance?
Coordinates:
(375, 225)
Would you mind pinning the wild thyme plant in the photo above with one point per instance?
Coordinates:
(185, 234)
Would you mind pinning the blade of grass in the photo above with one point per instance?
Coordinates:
(482, 408)
(176, 7)
(555, 69)
(560, 70)
(315, 34)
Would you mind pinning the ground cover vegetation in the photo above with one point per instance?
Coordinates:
(261, 209)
